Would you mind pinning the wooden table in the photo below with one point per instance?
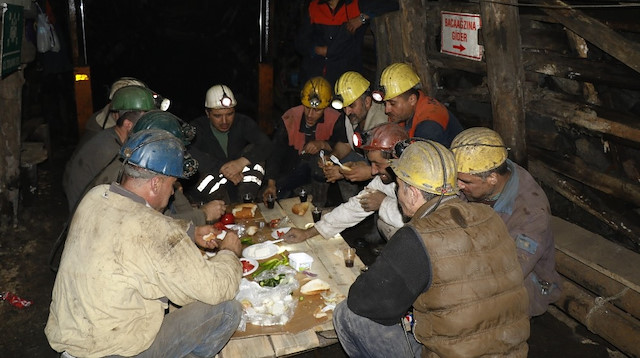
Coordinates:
(327, 265)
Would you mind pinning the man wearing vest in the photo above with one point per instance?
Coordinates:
(485, 175)
(454, 262)
(304, 131)
(422, 116)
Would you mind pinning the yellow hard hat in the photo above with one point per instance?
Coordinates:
(478, 150)
(398, 78)
(350, 86)
(316, 93)
(428, 166)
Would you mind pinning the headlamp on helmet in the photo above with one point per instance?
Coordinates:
(359, 139)
(337, 103)
(378, 95)
(225, 101)
(162, 103)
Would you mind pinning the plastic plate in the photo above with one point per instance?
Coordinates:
(260, 251)
(279, 232)
(252, 262)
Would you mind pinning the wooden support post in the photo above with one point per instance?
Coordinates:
(265, 97)
(11, 104)
(505, 74)
(414, 36)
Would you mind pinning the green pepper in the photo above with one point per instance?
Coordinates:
(246, 241)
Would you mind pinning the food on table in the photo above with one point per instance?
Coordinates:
(300, 208)
(227, 218)
(244, 211)
(252, 230)
(272, 264)
(246, 266)
(314, 287)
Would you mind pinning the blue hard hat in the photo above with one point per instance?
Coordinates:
(167, 121)
(158, 151)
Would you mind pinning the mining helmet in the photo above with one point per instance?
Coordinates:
(349, 87)
(478, 150)
(428, 166)
(158, 119)
(133, 98)
(395, 80)
(124, 82)
(219, 97)
(158, 151)
(384, 137)
(316, 93)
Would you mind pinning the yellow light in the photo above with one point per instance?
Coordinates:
(81, 77)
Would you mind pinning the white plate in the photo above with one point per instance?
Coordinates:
(260, 251)
(283, 230)
(251, 261)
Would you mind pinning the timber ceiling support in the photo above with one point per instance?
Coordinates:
(414, 36)
(505, 73)
(599, 34)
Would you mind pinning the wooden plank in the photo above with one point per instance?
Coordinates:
(598, 253)
(594, 31)
(414, 37)
(284, 344)
(297, 220)
(252, 347)
(505, 74)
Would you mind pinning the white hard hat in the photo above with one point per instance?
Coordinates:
(124, 82)
(218, 97)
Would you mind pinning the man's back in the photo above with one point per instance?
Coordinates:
(476, 304)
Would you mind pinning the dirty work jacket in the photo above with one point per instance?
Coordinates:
(87, 161)
(351, 213)
(524, 208)
(476, 304)
(121, 261)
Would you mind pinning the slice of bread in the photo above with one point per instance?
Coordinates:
(314, 287)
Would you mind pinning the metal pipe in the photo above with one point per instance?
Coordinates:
(84, 33)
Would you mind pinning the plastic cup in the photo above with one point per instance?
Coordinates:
(349, 256)
(317, 214)
(271, 200)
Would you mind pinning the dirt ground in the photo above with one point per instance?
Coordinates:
(24, 270)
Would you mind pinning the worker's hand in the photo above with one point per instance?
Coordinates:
(360, 171)
(332, 173)
(270, 190)
(372, 200)
(315, 146)
(298, 235)
(214, 209)
(321, 51)
(234, 168)
(235, 179)
(210, 233)
(354, 24)
(231, 242)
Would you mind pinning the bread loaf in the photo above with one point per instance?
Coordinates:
(300, 208)
(244, 211)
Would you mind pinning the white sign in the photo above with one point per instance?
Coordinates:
(460, 35)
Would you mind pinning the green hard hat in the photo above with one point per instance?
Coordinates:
(158, 119)
(133, 98)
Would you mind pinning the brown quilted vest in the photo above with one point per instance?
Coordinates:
(477, 305)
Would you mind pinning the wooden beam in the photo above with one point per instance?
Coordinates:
(414, 35)
(610, 217)
(585, 70)
(605, 320)
(588, 117)
(594, 31)
(575, 168)
(505, 74)
(598, 283)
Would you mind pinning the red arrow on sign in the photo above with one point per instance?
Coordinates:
(459, 47)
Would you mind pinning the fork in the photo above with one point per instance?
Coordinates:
(336, 161)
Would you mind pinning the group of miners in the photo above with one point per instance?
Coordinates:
(469, 256)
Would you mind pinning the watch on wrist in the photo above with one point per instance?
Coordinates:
(363, 19)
